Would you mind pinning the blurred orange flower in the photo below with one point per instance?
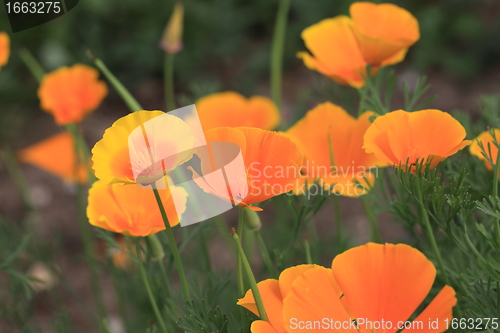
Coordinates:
(489, 146)
(4, 48)
(399, 136)
(272, 163)
(380, 286)
(332, 141)
(133, 210)
(57, 156)
(124, 154)
(71, 93)
(231, 109)
(376, 34)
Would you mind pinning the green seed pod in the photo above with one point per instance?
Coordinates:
(251, 219)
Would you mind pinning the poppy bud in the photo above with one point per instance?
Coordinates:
(172, 36)
(251, 218)
(155, 247)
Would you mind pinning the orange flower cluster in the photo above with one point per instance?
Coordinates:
(4, 48)
(71, 93)
(380, 286)
(375, 35)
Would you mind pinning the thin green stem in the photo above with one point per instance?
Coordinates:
(430, 234)
(277, 51)
(265, 255)
(33, 65)
(204, 248)
(307, 249)
(119, 87)
(338, 223)
(173, 246)
(239, 269)
(145, 280)
(375, 234)
(251, 279)
(169, 81)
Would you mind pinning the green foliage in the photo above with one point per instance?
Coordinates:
(202, 319)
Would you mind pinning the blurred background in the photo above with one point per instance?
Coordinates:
(227, 46)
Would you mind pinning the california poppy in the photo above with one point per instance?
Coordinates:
(4, 48)
(71, 93)
(271, 162)
(231, 109)
(376, 34)
(379, 286)
(400, 136)
(56, 155)
(142, 147)
(132, 210)
(332, 140)
(489, 146)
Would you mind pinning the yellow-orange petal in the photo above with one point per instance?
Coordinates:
(427, 134)
(383, 30)
(231, 109)
(340, 58)
(4, 48)
(133, 210)
(273, 303)
(71, 93)
(435, 314)
(56, 155)
(289, 275)
(268, 175)
(488, 144)
(314, 296)
(260, 326)
(383, 282)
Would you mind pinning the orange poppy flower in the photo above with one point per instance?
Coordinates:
(271, 161)
(488, 144)
(4, 48)
(231, 109)
(380, 286)
(141, 147)
(133, 210)
(71, 93)
(57, 156)
(399, 136)
(332, 140)
(376, 34)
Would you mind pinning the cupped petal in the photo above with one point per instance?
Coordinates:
(261, 326)
(133, 210)
(289, 275)
(56, 155)
(4, 48)
(231, 109)
(71, 93)
(314, 297)
(490, 149)
(340, 56)
(273, 303)
(383, 30)
(383, 282)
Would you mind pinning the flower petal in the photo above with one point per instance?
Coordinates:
(487, 140)
(231, 109)
(4, 48)
(383, 282)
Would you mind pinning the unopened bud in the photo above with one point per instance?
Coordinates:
(155, 247)
(251, 219)
(172, 36)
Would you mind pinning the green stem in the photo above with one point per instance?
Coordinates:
(338, 223)
(239, 269)
(169, 81)
(277, 51)
(307, 248)
(119, 87)
(173, 246)
(148, 289)
(82, 148)
(430, 234)
(251, 279)
(373, 221)
(265, 255)
(204, 248)
(32, 64)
